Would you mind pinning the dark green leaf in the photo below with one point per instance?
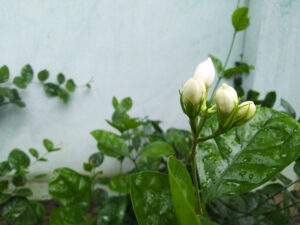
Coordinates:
(183, 192)
(283, 179)
(271, 188)
(63, 95)
(217, 63)
(18, 160)
(157, 149)
(120, 183)
(4, 168)
(247, 156)
(23, 192)
(27, 73)
(148, 163)
(20, 82)
(4, 197)
(103, 181)
(269, 100)
(297, 167)
(4, 74)
(43, 75)
(252, 96)
(19, 180)
(64, 216)
(110, 144)
(51, 89)
(34, 215)
(3, 185)
(113, 211)
(71, 189)
(40, 176)
(14, 208)
(99, 196)
(96, 159)
(7, 92)
(151, 198)
(242, 68)
(70, 85)
(240, 19)
(61, 78)
(34, 153)
(288, 108)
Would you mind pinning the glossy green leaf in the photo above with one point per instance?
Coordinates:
(110, 144)
(148, 163)
(20, 82)
(96, 159)
(151, 198)
(246, 157)
(34, 153)
(242, 68)
(43, 75)
(63, 216)
(48, 144)
(4, 74)
(61, 78)
(157, 149)
(217, 63)
(120, 183)
(70, 85)
(23, 192)
(3, 185)
(240, 19)
(18, 160)
(14, 208)
(183, 192)
(4, 168)
(113, 211)
(71, 189)
(27, 73)
(51, 89)
(34, 215)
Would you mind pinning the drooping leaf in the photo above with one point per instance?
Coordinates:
(70, 189)
(288, 108)
(110, 144)
(18, 160)
(240, 19)
(43, 75)
(120, 183)
(4, 74)
(183, 192)
(217, 63)
(151, 198)
(157, 149)
(247, 156)
(34, 215)
(27, 73)
(113, 211)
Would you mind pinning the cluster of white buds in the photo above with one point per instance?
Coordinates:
(194, 98)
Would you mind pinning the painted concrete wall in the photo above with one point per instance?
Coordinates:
(143, 49)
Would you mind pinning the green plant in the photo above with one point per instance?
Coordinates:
(16, 207)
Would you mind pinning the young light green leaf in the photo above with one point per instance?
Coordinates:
(183, 192)
(48, 144)
(18, 160)
(247, 156)
(70, 85)
(157, 149)
(43, 75)
(240, 19)
(151, 198)
(4, 74)
(120, 183)
(110, 144)
(27, 73)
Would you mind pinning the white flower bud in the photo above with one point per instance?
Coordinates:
(206, 72)
(226, 99)
(193, 91)
(246, 110)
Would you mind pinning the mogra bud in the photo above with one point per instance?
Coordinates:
(245, 112)
(193, 91)
(226, 100)
(206, 72)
